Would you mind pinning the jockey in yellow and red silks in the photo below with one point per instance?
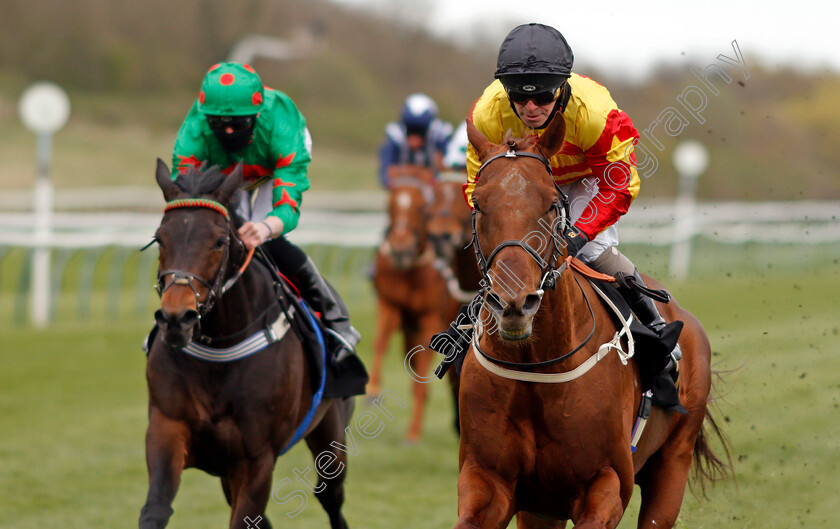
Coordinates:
(236, 119)
(597, 151)
(595, 167)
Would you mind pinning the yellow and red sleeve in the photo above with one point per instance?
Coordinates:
(613, 165)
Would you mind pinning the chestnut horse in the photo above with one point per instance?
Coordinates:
(229, 418)
(548, 437)
(450, 230)
(411, 293)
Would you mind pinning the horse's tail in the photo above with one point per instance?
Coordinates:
(708, 468)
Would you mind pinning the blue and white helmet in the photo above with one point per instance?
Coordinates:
(455, 156)
(418, 112)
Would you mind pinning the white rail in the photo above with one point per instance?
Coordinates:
(357, 219)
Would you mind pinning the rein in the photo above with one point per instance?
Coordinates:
(452, 285)
(545, 363)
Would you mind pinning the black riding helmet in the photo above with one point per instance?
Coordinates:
(534, 59)
(534, 51)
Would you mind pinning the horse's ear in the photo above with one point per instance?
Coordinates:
(164, 180)
(552, 139)
(225, 191)
(479, 142)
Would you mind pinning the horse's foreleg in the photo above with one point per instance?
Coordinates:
(330, 461)
(388, 319)
(601, 507)
(526, 520)
(250, 486)
(417, 344)
(485, 501)
(454, 385)
(166, 452)
(226, 489)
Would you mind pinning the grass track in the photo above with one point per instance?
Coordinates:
(73, 416)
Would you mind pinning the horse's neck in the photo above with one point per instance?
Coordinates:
(247, 299)
(564, 322)
(466, 269)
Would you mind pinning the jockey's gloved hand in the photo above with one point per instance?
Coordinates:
(575, 240)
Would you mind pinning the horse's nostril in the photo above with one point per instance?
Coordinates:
(183, 321)
(494, 302)
(188, 319)
(532, 303)
(160, 318)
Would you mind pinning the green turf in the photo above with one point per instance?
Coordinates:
(73, 415)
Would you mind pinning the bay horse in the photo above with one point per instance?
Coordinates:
(231, 419)
(411, 294)
(548, 437)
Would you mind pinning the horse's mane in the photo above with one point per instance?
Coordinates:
(198, 181)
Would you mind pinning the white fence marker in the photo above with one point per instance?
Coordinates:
(690, 159)
(44, 108)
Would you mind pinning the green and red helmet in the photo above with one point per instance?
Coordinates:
(231, 89)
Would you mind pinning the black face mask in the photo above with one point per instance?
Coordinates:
(241, 134)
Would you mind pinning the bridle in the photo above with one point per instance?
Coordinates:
(551, 271)
(183, 277)
(444, 208)
(425, 192)
(560, 206)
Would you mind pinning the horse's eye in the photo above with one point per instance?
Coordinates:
(221, 243)
(475, 206)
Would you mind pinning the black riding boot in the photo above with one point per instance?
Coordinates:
(645, 309)
(341, 338)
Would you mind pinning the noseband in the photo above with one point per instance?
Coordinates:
(182, 277)
(560, 206)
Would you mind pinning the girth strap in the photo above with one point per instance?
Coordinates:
(254, 344)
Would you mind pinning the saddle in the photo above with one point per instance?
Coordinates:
(345, 378)
(654, 348)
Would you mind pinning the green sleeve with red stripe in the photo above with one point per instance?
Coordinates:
(190, 146)
(290, 147)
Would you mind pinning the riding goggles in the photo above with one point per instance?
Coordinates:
(236, 123)
(540, 98)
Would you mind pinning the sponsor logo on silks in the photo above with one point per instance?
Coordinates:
(529, 88)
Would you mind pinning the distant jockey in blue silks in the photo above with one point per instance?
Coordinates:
(419, 138)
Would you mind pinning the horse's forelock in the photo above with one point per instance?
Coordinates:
(519, 144)
(196, 182)
(516, 144)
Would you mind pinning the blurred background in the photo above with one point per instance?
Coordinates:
(763, 272)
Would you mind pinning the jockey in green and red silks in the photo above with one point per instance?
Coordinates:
(236, 119)
(269, 136)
